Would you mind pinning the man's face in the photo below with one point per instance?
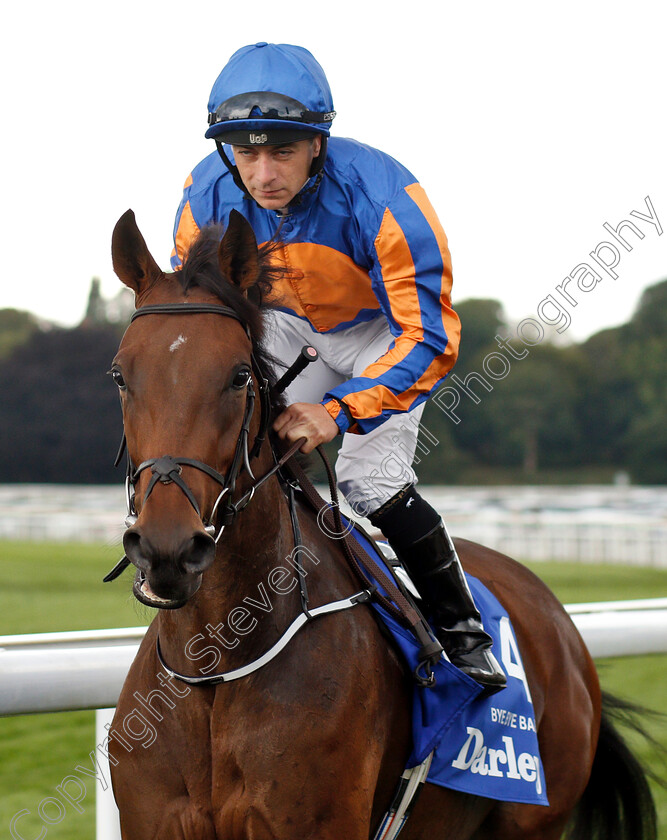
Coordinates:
(273, 175)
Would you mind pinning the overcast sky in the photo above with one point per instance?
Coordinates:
(530, 125)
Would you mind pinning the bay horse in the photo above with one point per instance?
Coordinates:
(310, 745)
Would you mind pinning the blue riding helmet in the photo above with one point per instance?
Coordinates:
(269, 94)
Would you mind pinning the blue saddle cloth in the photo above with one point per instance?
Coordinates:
(486, 746)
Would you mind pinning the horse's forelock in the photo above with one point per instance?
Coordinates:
(201, 269)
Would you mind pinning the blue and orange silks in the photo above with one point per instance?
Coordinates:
(363, 243)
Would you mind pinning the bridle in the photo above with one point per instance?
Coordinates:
(168, 469)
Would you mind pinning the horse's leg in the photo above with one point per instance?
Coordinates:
(334, 823)
(523, 822)
(565, 692)
(325, 734)
(328, 798)
(152, 755)
(443, 814)
(568, 735)
(154, 804)
(180, 820)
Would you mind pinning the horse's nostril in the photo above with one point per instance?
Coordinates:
(132, 546)
(167, 554)
(199, 555)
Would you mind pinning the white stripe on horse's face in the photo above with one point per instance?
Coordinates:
(179, 342)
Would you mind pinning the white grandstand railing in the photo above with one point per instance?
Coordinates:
(52, 672)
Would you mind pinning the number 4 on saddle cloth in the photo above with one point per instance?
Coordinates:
(486, 746)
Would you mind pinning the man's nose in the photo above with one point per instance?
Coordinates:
(265, 170)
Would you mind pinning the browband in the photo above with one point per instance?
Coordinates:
(187, 309)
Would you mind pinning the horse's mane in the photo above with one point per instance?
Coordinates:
(201, 269)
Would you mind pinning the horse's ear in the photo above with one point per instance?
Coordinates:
(238, 256)
(132, 261)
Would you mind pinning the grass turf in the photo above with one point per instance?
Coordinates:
(51, 587)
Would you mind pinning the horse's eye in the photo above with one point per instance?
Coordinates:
(117, 377)
(241, 379)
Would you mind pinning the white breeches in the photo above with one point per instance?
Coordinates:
(370, 468)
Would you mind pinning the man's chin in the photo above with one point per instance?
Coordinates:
(269, 202)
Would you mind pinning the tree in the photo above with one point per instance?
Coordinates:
(646, 443)
(16, 327)
(533, 411)
(601, 403)
(608, 397)
(59, 414)
(645, 361)
(95, 309)
(481, 319)
(650, 317)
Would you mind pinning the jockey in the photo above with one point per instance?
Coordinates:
(367, 283)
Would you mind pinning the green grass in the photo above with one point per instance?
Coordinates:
(50, 587)
(58, 586)
(639, 679)
(579, 583)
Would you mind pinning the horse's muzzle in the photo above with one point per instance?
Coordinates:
(169, 571)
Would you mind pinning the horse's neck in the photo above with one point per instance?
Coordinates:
(247, 598)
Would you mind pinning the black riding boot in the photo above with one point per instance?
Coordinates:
(417, 534)
(435, 568)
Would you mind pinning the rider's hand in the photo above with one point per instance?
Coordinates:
(308, 420)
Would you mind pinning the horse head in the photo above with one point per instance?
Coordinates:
(187, 378)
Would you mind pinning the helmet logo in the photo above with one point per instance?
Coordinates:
(258, 138)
